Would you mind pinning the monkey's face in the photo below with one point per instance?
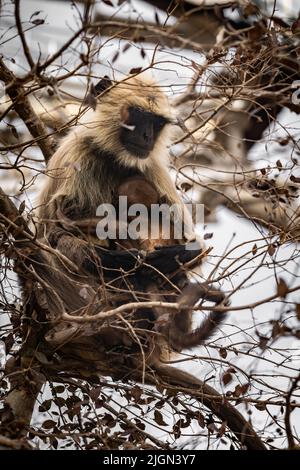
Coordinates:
(131, 122)
(140, 130)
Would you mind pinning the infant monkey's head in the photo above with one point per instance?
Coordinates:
(138, 191)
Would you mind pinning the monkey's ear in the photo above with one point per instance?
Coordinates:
(104, 83)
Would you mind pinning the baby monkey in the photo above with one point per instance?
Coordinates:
(154, 232)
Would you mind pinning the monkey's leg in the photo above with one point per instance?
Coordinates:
(180, 334)
(194, 292)
(213, 400)
(199, 335)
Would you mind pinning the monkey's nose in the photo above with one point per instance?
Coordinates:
(148, 137)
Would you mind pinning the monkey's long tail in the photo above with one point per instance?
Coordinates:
(185, 382)
(190, 296)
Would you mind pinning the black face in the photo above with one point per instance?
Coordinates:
(142, 131)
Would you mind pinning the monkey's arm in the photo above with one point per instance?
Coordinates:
(165, 260)
(66, 236)
(93, 258)
(169, 258)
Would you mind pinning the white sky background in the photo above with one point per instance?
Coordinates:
(60, 20)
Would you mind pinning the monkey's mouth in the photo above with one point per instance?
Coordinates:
(138, 150)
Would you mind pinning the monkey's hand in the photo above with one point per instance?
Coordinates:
(169, 258)
(114, 261)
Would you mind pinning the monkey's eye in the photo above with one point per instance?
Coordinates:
(160, 122)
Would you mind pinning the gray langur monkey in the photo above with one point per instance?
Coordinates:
(121, 147)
